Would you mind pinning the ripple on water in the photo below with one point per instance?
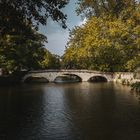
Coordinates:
(80, 111)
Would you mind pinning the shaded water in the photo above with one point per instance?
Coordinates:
(80, 111)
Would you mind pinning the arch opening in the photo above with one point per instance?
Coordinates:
(68, 78)
(96, 79)
(32, 79)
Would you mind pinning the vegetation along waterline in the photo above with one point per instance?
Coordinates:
(136, 86)
(108, 41)
(105, 48)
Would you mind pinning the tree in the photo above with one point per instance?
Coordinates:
(33, 12)
(106, 43)
(89, 8)
(21, 46)
(21, 52)
(50, 61)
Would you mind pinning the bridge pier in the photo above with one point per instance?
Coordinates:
(85, 75)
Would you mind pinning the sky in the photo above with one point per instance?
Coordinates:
(58, 37)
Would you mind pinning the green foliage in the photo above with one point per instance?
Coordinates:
(125, 81)
(89, 8)
(21, 46)
(32, 11)
(135, 86)
(50, 61)
(106, 43)
(19, 52)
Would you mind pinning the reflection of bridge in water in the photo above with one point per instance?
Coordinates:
(84, 75)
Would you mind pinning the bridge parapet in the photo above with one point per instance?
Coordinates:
(67, 70)
(85, 75)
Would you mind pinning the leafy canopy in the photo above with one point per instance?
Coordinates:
(32, 11)
(89, 8)
(21, 46)
(106, 43)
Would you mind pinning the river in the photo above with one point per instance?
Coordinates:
(78, 111)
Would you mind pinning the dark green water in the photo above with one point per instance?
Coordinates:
(81, 111)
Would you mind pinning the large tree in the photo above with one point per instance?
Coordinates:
(22, 51)
(90, 8)
(50, 61)
(21, 46)
(33, 12)
(106, 43)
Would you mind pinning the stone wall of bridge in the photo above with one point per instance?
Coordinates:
(85, 75)
(50, 76)
(126, 77)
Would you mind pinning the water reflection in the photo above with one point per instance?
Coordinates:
(57, 119)
(81, 111)
(24, 113)
(91, 112)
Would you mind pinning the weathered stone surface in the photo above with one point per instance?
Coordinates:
(85, 75)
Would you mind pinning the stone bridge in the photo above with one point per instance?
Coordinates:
(84, 75)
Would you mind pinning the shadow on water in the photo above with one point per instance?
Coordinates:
(102, 111)
(36, 80)
(78, 111)
(91, 112)
(96, 79)
(136, 94)
(21, 110)
(67, 78)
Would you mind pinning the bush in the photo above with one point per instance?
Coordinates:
(135, 86)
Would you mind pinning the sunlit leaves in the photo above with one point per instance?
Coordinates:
(89, 8)
(105, 43)
(50, 61)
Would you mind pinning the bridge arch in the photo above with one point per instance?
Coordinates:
(98, 78)
(74, 76)
(68, 77)
(83, 75)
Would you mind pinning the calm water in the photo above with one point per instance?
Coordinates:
(82, 111)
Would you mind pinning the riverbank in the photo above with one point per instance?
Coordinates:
(9, 80)
(133, 83)
(12, 79)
